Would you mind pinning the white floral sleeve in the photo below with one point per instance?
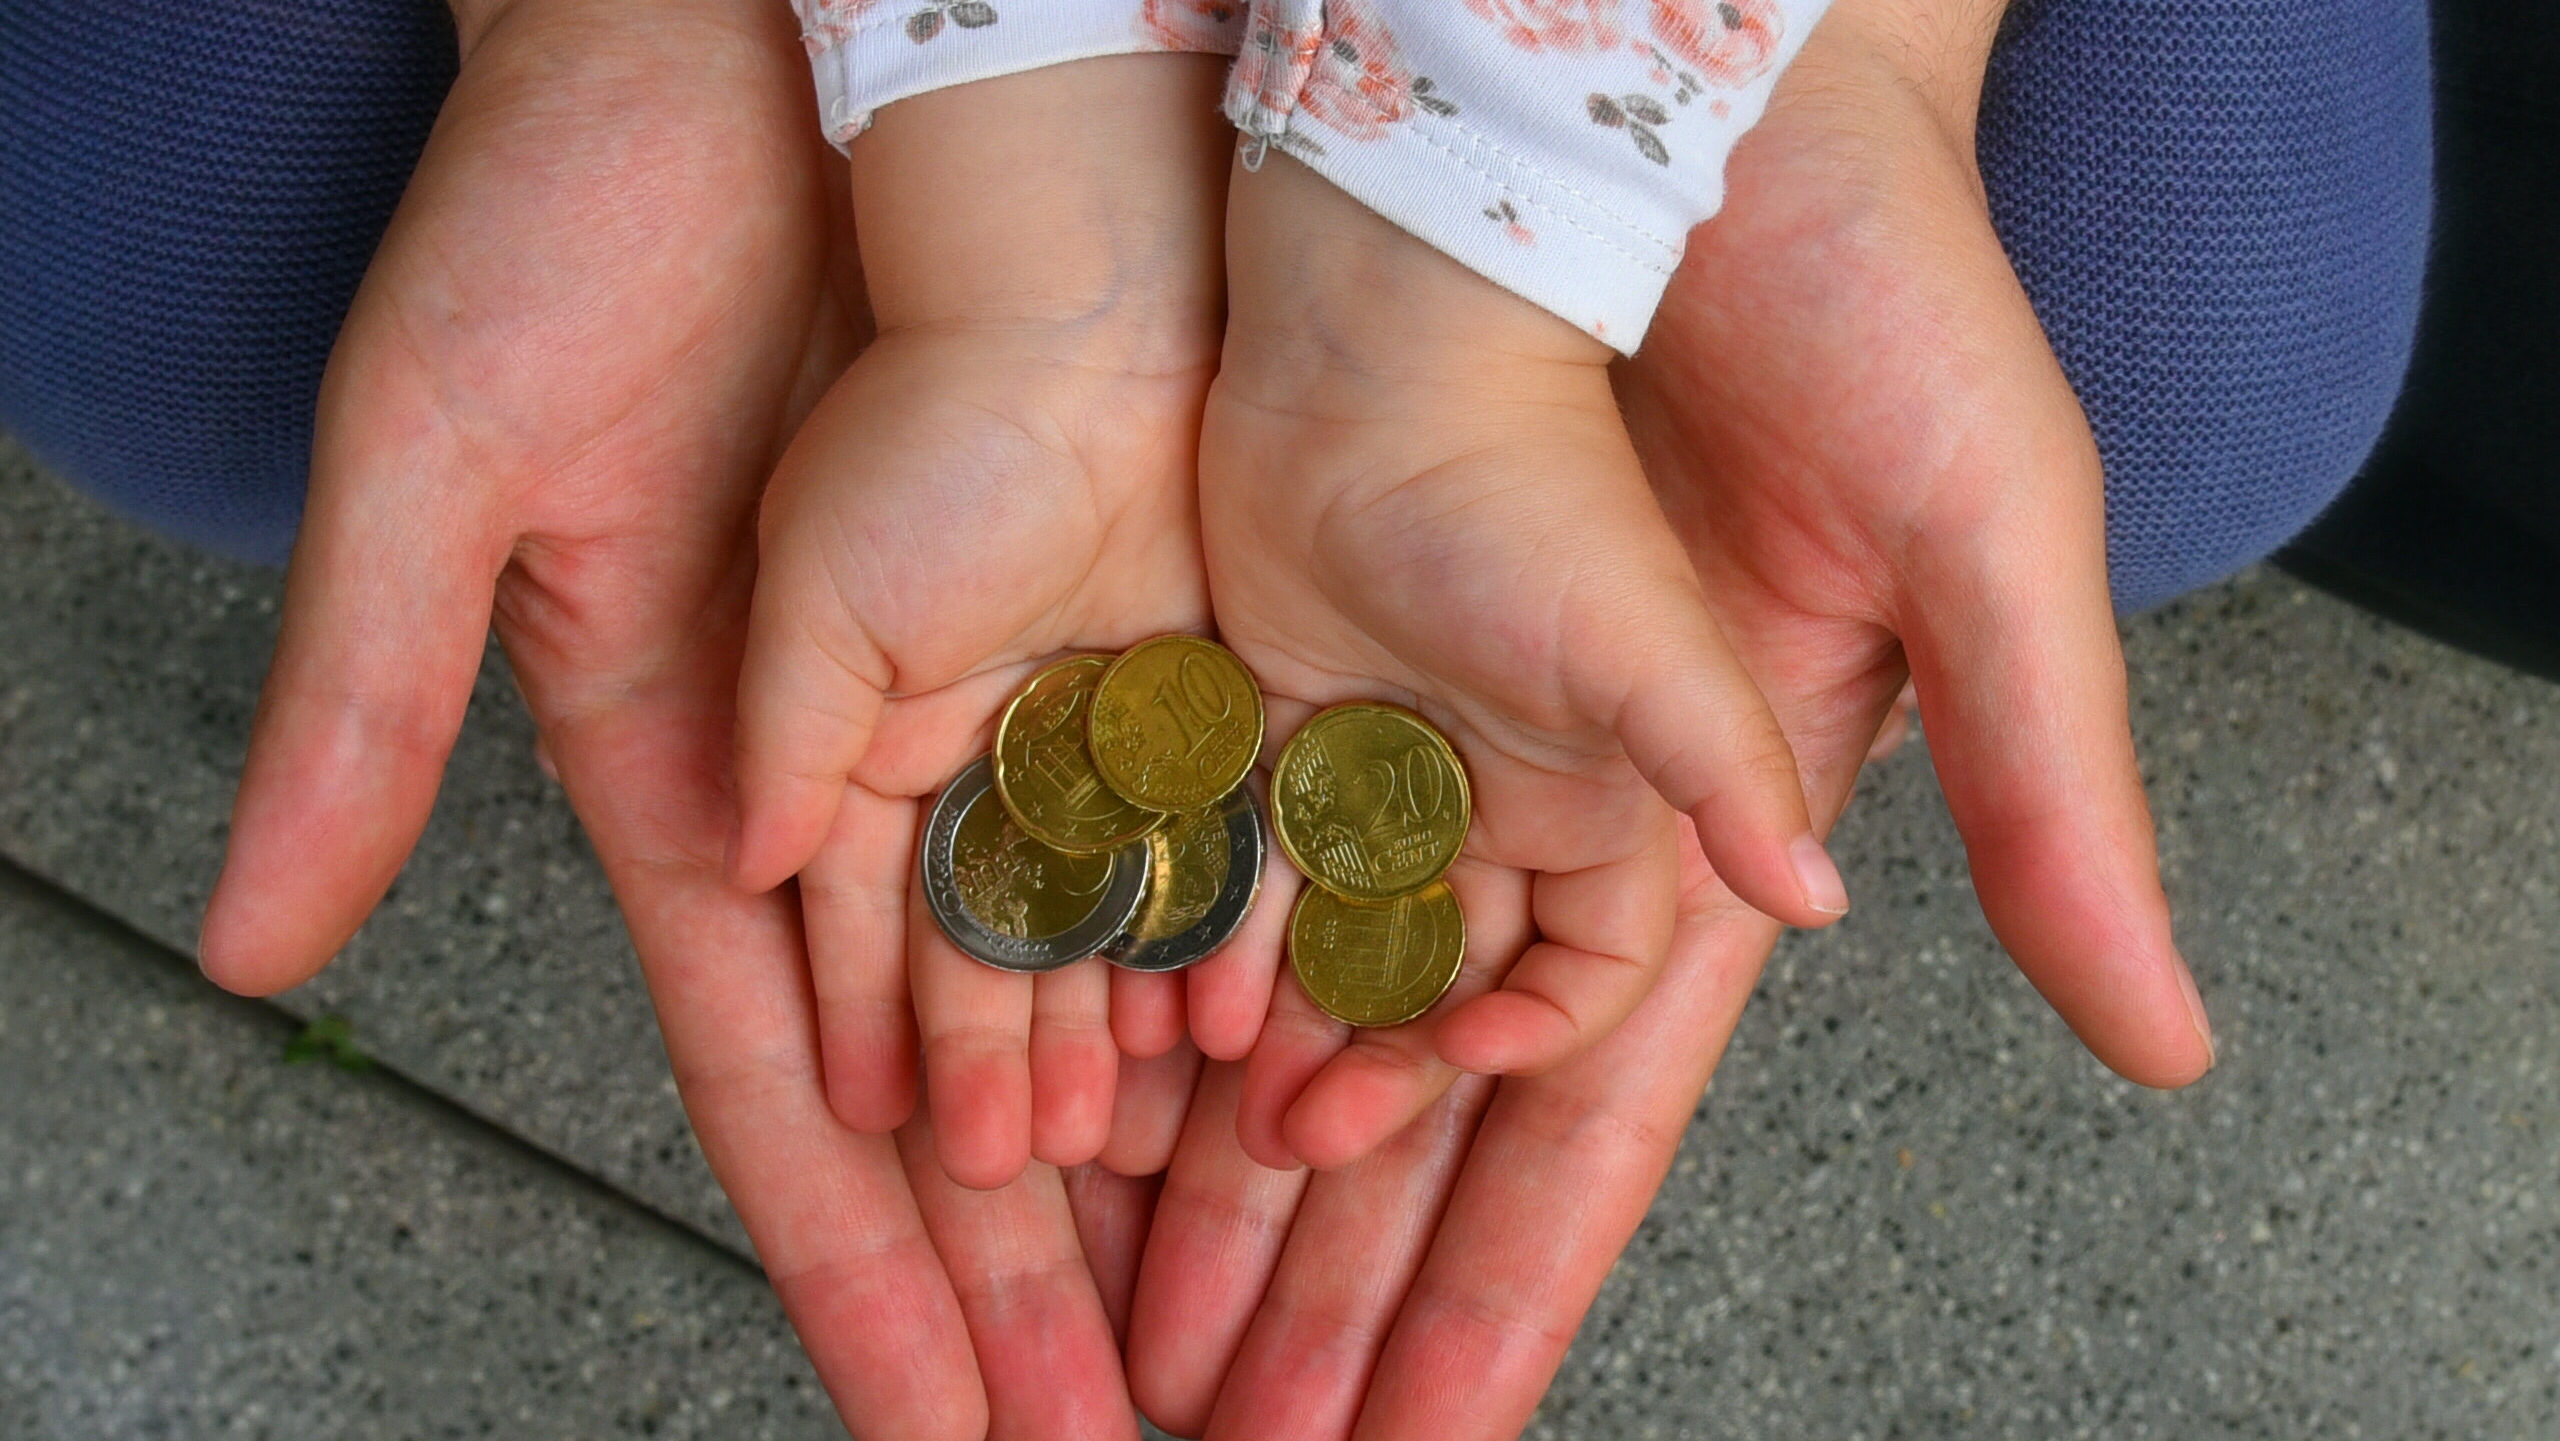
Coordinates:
(867, 53)
(1561, 148)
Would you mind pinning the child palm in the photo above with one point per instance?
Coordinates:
(1415, 488)
(1004, 476)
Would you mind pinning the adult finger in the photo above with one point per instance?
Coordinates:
(1560, 1172)
(1147, 1109)
(1112, 1213)
(830, 1210)
(1220, 1223)
(1359, 1237)
(386, 616)
(853, 901)
(2021, 682)
(1046, 1345)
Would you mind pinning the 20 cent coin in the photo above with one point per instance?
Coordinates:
(1370, 801)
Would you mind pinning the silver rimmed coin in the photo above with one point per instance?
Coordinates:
(1207, 868)
(1006, 899)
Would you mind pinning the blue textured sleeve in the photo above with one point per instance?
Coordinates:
(189, 193)
(2220, 212)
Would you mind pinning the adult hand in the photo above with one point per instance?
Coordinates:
(1848, 409)
(604, 303)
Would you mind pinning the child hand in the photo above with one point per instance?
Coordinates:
(1005, 475)
(1416, 487)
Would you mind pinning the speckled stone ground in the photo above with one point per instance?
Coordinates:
(199, 1240)
(1909, 1208)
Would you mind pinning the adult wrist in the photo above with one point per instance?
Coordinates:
(1938, 50)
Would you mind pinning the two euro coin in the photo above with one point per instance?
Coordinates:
(1045, 852)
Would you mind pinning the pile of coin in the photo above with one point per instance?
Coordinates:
(1371, 803)
(1111, 818)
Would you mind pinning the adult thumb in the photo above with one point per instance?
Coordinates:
(386, 615)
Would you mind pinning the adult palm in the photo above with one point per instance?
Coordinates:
(611, 290)
(1851, 415)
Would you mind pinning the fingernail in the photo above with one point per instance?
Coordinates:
(1823, 889)
(2195, 1013)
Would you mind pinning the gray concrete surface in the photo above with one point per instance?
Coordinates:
(1910, 1207)
(496, 972)
(200, 1241)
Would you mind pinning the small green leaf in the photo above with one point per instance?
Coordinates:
(331, 1039)
(1646, 109)
(1649, 144)
(973, 14)
(1605, 111)
(1435, 104)
(924, 25)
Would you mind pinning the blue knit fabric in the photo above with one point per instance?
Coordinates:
(189, 192)
(2220, 212)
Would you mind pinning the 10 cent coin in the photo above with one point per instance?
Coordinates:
(1177, 721)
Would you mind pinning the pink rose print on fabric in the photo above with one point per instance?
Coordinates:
(1273, 63)
(1188, 25)
(1730, 41)
(828, 23)
(1562, 25)
(1360, 83)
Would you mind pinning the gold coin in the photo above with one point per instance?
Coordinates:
(1377, 963)
(1018, 887)
(1045, 776)
(1187, 869)
(1177, 721)
(1370, 801)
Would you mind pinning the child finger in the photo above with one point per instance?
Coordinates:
(810, 690)
(1231, 993)
(1074, 1064)
(974, 1027)
(1604, 932)
(1384, 1077)
(1147, 1110)
(1146, 1012)
(853, 905)
(1296, 1043)
(1697, 727)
